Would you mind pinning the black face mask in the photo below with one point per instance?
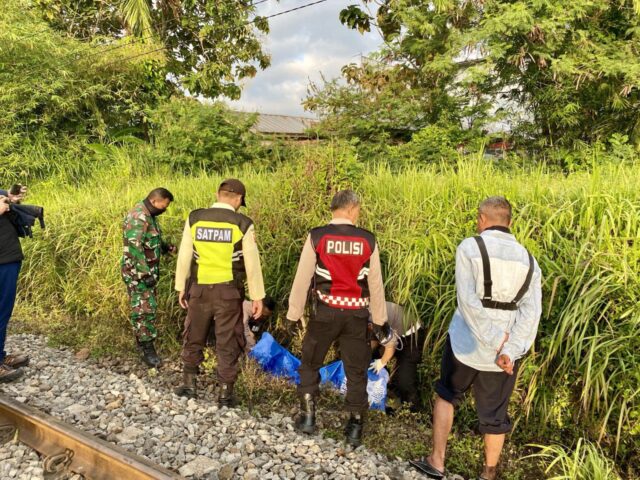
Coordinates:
(153, 210)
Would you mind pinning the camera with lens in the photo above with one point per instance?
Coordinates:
(24, 217)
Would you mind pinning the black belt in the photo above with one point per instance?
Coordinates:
(499, 305)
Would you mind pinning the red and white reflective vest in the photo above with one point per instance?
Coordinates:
(343, 253)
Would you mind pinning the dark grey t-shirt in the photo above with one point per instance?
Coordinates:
(396, 318)
(10, 249)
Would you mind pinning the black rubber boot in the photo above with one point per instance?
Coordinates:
(149, 354)
(353, 430)
(225, 397)
(188, 387)
(306, 418)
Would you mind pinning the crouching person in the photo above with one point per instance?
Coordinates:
(406, 347)
(498, 287)
(254, 327)
(342, 262)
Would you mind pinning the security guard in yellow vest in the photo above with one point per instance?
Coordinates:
(218, 254)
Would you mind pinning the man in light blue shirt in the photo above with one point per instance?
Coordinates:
(498, 286)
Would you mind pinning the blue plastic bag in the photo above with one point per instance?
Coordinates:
(377, 389)
(278, 361)
(275, 359)
(334, 374)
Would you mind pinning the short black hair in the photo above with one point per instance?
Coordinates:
(160, 193)
(270, 303)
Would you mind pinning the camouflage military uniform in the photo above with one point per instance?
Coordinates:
(140, 268)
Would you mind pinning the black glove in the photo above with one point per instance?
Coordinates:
(292, 327)
(383, 333)
(166, 248)
(150, 281)
(257, 327)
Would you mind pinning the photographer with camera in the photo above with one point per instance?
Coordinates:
(10, 262)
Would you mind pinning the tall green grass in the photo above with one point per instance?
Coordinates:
(582, 378)
(584, 462)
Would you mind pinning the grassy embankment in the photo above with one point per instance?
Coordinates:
(582, 380)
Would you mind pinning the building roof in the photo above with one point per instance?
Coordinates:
(283, 124)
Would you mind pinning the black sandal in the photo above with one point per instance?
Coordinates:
(425, 467)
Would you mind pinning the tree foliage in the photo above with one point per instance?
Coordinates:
(379, 100)
(571, 66)
(191, 136)
(210, 45)
(48, 92)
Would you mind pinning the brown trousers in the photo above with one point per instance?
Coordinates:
(221, 304)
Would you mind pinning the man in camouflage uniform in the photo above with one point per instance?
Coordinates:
(140, 267)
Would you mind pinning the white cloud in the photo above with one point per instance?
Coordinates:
(302, 44)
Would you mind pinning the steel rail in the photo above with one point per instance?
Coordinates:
(66, 448)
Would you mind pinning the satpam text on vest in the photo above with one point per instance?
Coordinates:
(209, 234)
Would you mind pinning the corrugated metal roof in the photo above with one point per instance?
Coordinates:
(283, 124)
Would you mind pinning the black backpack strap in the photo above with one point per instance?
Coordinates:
(527, 282)
(486, 267)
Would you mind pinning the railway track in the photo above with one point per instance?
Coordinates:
(67, 449)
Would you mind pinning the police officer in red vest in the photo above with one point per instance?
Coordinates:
(341, 264)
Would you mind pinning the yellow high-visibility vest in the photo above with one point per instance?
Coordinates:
(217, 235)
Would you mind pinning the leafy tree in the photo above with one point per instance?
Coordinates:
(210, 44)
(191, 136)
(572, 65)
(47, 93)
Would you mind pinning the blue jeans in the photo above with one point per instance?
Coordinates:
(8, 285)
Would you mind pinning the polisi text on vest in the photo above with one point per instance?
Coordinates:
(344, 247)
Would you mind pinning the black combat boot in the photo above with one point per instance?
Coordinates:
(188, 387)
(225, 397)
(306, 418)
(149, 355)
(353, 430)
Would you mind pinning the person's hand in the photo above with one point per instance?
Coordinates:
(172, 249)
(505, 339)
(377, 365)
(182, 300)
(4, 205)
(505, 363)
(256, 309)
(20, 196)
(292, 327)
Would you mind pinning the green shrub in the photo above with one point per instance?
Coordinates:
(192, 136)
(585, 462)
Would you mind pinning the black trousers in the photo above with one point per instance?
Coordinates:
(491, 390)
(404, 382)
(349, 328)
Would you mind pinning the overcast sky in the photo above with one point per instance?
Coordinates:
(302, 44)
